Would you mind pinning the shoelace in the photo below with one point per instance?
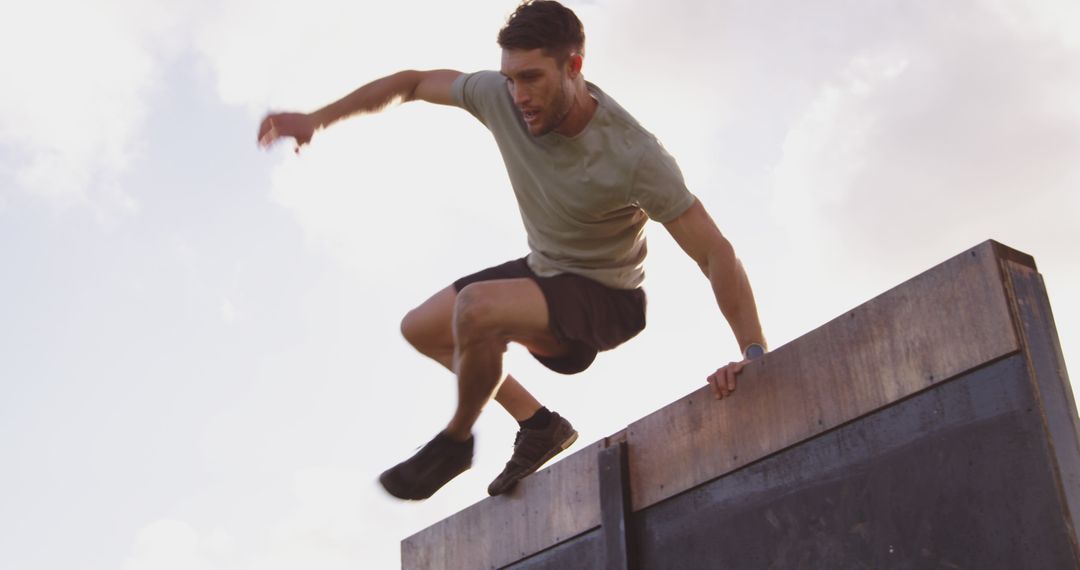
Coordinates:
(528, 448)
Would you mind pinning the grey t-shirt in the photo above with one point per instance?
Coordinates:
(584, 199)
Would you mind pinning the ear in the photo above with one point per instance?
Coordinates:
(574, 63)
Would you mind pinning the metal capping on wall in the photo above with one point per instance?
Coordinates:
(951, 319)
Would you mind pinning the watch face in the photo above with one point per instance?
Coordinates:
(754, 351)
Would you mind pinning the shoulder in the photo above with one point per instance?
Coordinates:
(620, 119)
(640, 146)
(657, 185)
(481, 93)
(483, 77)
(477, 84)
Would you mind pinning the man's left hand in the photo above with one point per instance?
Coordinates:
(723, 380)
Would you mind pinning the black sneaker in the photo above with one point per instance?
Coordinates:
(419, 476)
(532, 449)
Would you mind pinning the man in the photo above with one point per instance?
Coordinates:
(587, 177)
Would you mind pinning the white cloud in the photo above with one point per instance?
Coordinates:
(824, 152)
(334, 522)
(228, 311)
(972, 140)
(281, 53)
(174, 545)
(76, 79)
(79, 78)
(1055, 19)
(331, 527)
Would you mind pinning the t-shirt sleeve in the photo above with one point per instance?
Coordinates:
(478, 92)
(658, 187)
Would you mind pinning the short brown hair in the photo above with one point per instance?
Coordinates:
(546, 25)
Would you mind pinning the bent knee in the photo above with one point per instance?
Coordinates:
(475, 315)
(412, 328)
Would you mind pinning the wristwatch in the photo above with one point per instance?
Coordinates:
(754, 351)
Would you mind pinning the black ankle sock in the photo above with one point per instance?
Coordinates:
(540, 420)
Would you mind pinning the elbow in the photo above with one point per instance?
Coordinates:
(411, 79)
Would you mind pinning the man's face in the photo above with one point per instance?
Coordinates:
(539, 86)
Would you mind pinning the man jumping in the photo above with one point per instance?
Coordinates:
(587, 177)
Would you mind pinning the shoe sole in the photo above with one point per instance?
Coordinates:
(547, 457)
(408, 493)
(393, 489)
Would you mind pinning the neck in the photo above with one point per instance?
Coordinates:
(581, 111)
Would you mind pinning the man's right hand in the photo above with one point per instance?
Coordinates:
(299, 126)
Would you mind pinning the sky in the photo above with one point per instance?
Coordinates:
(200, 363)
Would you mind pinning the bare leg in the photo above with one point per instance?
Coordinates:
(429, 329)
(468, 333)
(487, 316)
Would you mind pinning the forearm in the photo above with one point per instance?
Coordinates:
(370, 98)
(733, 294)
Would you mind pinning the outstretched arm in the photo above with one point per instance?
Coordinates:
(699, 237)
(431, 86)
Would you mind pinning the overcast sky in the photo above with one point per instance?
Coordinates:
(199, 350)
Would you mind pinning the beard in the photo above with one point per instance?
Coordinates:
(559, 109)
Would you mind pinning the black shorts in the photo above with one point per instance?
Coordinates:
(583, 314)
